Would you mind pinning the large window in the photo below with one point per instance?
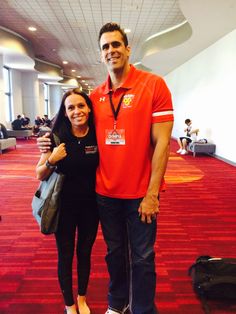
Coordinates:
(8, 93)
(46, 98)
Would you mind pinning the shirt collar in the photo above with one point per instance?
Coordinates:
(128, 83)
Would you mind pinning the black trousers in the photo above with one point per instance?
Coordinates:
(82, 217)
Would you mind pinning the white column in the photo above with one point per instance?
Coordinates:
(17, 93)
(2, 94)
(41, 99)
(30, 95)
(55, 96)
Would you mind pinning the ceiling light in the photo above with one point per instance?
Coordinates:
(86, 84)
(79, 76)
(32, 28)
(127, 30)
(72, 70)
(83, 81)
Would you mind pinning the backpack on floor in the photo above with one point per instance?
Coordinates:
(214, 278)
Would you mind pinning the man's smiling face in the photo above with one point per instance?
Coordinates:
(113, 51)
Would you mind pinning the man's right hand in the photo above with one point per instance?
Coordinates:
(44, 143)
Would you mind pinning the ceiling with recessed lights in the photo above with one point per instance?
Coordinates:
(67, 30)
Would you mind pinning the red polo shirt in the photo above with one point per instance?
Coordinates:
(124, 170)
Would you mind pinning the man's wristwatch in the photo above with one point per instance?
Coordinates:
(50, 166)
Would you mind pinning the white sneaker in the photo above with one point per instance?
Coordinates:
(184, 152)
(179, 151)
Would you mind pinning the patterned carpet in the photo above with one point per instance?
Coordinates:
(198, 217)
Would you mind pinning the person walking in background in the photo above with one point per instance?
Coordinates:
(191, 134)
(77, 158)
(133, 121)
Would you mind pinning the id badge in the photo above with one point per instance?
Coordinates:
(115, 137)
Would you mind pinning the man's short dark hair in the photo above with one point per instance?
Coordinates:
(187, 121)
(112, 27)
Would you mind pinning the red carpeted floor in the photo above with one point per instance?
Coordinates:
(198, 217)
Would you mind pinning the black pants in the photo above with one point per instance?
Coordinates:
(83, 217)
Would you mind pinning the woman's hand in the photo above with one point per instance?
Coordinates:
(57, 154)
(44, 143)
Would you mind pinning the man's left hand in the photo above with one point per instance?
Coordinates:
(148, 209)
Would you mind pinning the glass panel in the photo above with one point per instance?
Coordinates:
(46, 98)
(6, 78)
(8, 94)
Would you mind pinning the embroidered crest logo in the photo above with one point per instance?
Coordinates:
(90, 149)
(102, 99)
(127, 101)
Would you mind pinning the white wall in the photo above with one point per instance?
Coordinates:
(204, 90)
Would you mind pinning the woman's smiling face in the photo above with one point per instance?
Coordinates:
(77, 110)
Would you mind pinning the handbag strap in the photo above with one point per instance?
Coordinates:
(56, 139)
(205, 305)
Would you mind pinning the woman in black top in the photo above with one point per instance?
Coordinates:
(77, 158)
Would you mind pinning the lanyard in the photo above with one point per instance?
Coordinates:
(115, 112)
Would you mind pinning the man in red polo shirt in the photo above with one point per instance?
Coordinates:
(133, 120)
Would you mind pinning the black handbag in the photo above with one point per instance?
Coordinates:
(214, 278)
(46, 201)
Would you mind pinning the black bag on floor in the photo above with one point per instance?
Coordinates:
(214, 278)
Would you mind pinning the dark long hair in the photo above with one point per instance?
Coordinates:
(61, 124)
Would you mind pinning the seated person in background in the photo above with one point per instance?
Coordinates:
(3, 131)
(38, 122)
(17, 124)
(191, 136)
(46, 121)
(25, 121)
(46, 127)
